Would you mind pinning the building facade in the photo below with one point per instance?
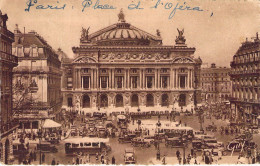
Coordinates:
(7, 63)
(122, 68)
(216, 84)
(245, 77)
(36, 80)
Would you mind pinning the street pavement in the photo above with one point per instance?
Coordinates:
(146, 156)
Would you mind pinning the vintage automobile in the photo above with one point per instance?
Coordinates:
(140, 142)
(175, 142)
(129, 156)
(149, 139)
(212, 128)
(102, 132)
(212, 143)
(197, 144)
(126, 138)
(199, 134)
(19, 148)
(45, 146)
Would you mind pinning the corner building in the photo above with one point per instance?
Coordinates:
(7, 62)
(245, 77)
(122, 68)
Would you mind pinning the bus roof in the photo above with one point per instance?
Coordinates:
(86, 139)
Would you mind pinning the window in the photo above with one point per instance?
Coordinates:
(182, 81)
(86, 82)
(69, 101)
(149, 82)
(104, 82)
(69, 83)
(119, 82)
(134, 71)
(164, 82)
(134, 82)
(149, 70)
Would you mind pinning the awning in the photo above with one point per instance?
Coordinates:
(50, 124)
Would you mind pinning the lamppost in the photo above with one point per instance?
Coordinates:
(158, 124)
(184, 148)
(201, 118)
(40, 141)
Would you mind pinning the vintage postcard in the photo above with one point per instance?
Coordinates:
(144, 82)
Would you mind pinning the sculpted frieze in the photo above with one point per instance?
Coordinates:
(182, 60)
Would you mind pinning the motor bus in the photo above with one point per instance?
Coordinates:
(86, 145)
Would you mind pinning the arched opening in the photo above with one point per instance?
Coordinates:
(119, 101)
(165, 100)
(149, 100)
(69, 102)
(134, 101)
(7, 151)
(103, 101)
(226, 97)
(86, 101)
(182, 100)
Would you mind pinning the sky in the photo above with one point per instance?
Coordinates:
(216, 31)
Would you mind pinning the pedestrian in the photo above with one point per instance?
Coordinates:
(73, 161)
(178, 153)
(180, 122)
(31, 155)
(192, 152)
(163, 160)
(219, 154)
(77, 160)
(53, 162)
(207, 159)
(43, 157)
(97, 158)
(179, 159)
(188, 159)
(113, 160)
(57, 163)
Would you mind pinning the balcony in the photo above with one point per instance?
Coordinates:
(247, 72)
(7, 128)
(36, 69)
(9, 58)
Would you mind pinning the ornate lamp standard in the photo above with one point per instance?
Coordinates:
(158, 125)
(40, 141)
(201, 118)
(184, 144)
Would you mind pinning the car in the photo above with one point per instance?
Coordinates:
(46, 147)
(212, 143)
(149, 139)
(140, 142)
(126, 138)
(129, 156)
(199, 134)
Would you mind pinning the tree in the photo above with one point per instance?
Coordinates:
(23, 95)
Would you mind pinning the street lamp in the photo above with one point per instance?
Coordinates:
(184, 147)
(201, 118)
(40, 141)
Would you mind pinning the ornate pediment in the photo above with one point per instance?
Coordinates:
(182, 60)
(85, 60)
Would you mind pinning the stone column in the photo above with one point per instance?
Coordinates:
(92, 79)
(78, 79)
(140, 79)
(171, 79)
(144, 79)
(128, 78)
(159, 78)
(110, 78)
(98, 82)
(156, 79)
(188, 79)
(125, 72)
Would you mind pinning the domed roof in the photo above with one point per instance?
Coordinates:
(123, 33)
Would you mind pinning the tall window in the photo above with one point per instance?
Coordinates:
(134, 82)
(164, 81)
(103, 82)
(149, 82)
(86, 82)
(34, 52)
(182, 81)
(119, 82)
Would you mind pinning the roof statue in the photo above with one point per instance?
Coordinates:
(158, 32)
(180, 39)
(121, 16)
(84, 34)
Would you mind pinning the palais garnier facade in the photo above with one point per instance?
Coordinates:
(123, 68)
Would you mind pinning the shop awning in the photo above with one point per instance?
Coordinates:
(50, 124)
